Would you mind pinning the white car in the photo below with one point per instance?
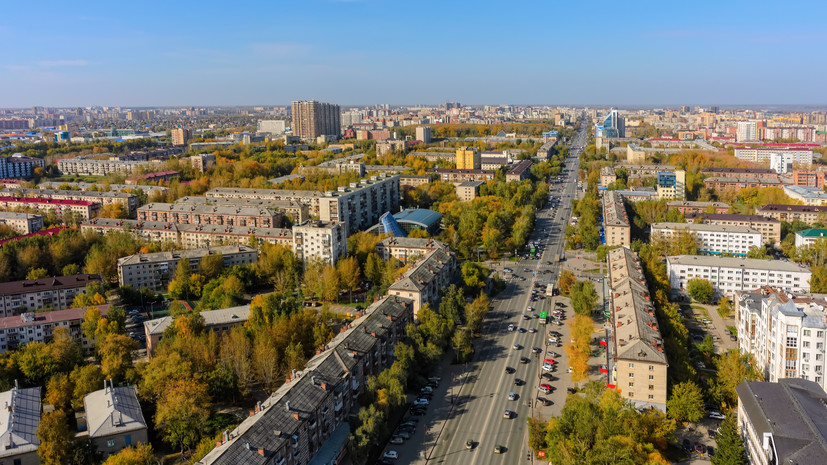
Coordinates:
(391, 454)
(511, 327)
(421, 401)
(716, 415)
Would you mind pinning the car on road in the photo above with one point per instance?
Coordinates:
(512, 396)
(507, 413)
(532, 330)
(536, 350)
(521, 330)
(524, 359)
(469, 444)
(516, 346)
(418, 411)
(499, 449)
(716, 415)
(518, 382)
(511, 327)
(421, 401)
(509, 370)
(391, 454)
(397, 440)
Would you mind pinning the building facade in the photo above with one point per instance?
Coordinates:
(180, 213)
(451, 175)
(797, 156)
(23, 223)
(18, 166)
(426, 278)
(616, 226)
(770, 228)
(672, 185)
(31, 295)
(90, 167)
(712, 239)
(789, 213)
(731, 275)
(114, 419)
(360, 204)
(319, 240)
(687, 206)
(807, 195)
(180, 136)
(809, 178)
(607, 176)
(468, 158)
(521, 170)
(129, 202)
(809, 237)
(639, 364)
(423, 133)
(153, 271)
(312, 119)
(18, 330)
(218, 321)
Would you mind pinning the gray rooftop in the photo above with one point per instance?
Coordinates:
(222, 316)
(113, 410)
(705, 227)
(188, 253)
(794, 411)
(734, 262)
(19, 422)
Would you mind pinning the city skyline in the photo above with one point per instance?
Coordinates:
(362, 52)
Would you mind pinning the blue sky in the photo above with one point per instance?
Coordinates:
(169, 53)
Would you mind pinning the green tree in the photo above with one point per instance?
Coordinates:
(374, 269)
(36, 362)
(134, 455)
(686, 403)
(730, 445)
(461, 343)
(37, 273)
(701, 290)
(733, 367)
(85, 379)
(758, 252)
(211, 265)
(116, 356)
(331, 283)
(583, 298)
(724, 308)
(473, 276)
(349, 274)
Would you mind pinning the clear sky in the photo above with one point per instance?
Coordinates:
(177, 52)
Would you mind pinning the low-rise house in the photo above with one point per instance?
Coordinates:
(114, 419)
(219, 321)
(18, 426)
(404, 248)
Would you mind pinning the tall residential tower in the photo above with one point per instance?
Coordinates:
(312, 119)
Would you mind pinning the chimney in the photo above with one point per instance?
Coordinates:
(287, 405)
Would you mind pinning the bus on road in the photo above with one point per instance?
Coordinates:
(543, 317)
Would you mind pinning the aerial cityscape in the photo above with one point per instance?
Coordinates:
(354, 232)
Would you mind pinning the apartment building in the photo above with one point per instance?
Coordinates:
(616, 226)
(520, 171)
(746, 131)
(738, 183)
(770, 228)
(638, 365)
(319, 240)
(800, 157)
(671, 185)
(18, 429)
(295, 211)
(688, 206)
(760, 173)
(336, 167)
(789, 213)
(426, 278)
(85, 186)
(218, 321)
(413, 180)
(468, 158)
(83, 208)
(809, 178)
(390, 146)
(18, 330)
(640, 171)
(714, 239)
(635, 154)
(181, 213)
(423, 133)
(202, 161)
(180, 136)
(114, 419)
(310, 410)
(608, 176)
(23, 223)
(31, 295)
(360, 204)
(91, 167)
(312, 119)
(404, 248)
(807, 195)
(130, 202)
(784, 333)
(782, 423)
(18, 166)
(153, 271)
(468, 190)
(451, 175)
(731, 275)
(809, 237)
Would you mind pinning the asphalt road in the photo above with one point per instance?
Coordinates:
(470, 403)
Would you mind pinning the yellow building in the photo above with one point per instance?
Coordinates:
(468, 158)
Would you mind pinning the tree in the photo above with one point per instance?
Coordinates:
(236, 353)
(686, 402)
(758, 252)
(349, 274)
(36, 362)
(85, 379)
(266, 362)
(330, 283)
(59, 392)
(55, 438)
(313, 280)
(565, 282)
(461, 343)
(724, 308)
(182, 412)
(374, 268)
(211, 265)
(116, 356)
(733, 367)
(700, 290)
(473, 276)
(70, 269)
(583, 298)
(134, 455)
(37, 273)
(730, 445)
(65, 352)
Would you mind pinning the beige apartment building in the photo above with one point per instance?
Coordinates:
(607, 176)
(90, 167)
(180, 136)
(180, 213)
(84, 209)
(404, 248)
(312, 119)
(468, 190)
(130, 202)
(426, 278)
(639, 362)
(807, 213)
(319, 240)
(451, 175)
(23, 223)
(153, 271)
(18, 330)
(297, 212)
(769, 228)
(202, 161)
(520, 171)
(616, 226)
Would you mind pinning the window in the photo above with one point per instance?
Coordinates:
(651, 397)
(631, 384)
(651, 367)
(631, 375)
(651, 376)
(110, 443)
(631, 365)
(651, 387)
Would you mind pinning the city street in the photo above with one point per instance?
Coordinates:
(470, 403)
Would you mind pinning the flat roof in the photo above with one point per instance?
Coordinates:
(19, 422)
(733, 262)
(419, 215)
(186, 253)
(730, 217)
(793, 208)
(711, 227)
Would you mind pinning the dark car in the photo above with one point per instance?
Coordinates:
(710, 451)
(711, 433)
(571, 390)
(524, 360)
(518, 382)
(543, 401)
(509, 370)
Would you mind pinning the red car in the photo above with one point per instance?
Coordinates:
(545, 387)
(550, 361)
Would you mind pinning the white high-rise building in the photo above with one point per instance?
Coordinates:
(747, 131)
(423, 133)
(271, 126)
(781, 162)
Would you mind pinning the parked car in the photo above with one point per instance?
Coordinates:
(511, 327)
(716, 415)
(391, 454)
(421, 401)
(546, 388)
(397, 440)
(543, 401)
